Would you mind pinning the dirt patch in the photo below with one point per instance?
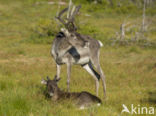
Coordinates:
(51, 3)
(24, 60)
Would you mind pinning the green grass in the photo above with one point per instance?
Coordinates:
(25, 59)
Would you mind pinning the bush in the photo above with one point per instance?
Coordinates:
(45, 27)
(42, 31)
(88, 29)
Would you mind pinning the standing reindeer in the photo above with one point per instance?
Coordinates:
(69, 47)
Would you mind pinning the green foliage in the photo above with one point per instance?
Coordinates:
(134, 49)
(43, 31)
(126, 9)
(46, 27)
(88, 29)
(151, 10)
(118, 7)
(98, 1)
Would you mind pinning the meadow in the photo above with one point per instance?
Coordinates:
(25, 59)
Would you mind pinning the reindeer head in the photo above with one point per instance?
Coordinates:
(69, 21)
(52, 88)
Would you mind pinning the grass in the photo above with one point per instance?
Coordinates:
(25, 60)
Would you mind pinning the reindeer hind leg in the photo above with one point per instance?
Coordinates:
(96, 63)
(88, 67)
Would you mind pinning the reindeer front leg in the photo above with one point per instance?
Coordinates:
(68, 75)
(58, 71)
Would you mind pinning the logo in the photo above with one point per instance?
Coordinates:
(137, 109)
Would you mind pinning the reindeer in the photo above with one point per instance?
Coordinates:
(81, 99)
(70, 47)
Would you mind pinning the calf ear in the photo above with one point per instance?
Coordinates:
(44, 82)
(55, 78)
(48, 78)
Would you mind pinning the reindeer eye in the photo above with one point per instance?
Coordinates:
(72, 35)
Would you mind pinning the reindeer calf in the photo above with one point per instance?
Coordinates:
(82, 99)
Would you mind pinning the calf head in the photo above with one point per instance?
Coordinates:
(51, 86)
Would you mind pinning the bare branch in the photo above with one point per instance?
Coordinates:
(143, 16)
(58, 10)
(122, 29)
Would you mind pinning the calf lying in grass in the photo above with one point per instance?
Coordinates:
(81, 99)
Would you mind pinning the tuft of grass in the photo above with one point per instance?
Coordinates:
(15, 104)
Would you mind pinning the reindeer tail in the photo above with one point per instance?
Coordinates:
(101, 44)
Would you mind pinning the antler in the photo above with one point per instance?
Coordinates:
(71, 19)
(69, 23)
(73, 13)
(60, 14)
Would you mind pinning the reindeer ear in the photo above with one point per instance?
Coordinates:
(44, 82)
(48, 78)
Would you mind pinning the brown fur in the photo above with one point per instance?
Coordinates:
(81, 99)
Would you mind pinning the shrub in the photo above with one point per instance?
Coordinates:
(42, 31)
(88, 29)
(45, 27)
